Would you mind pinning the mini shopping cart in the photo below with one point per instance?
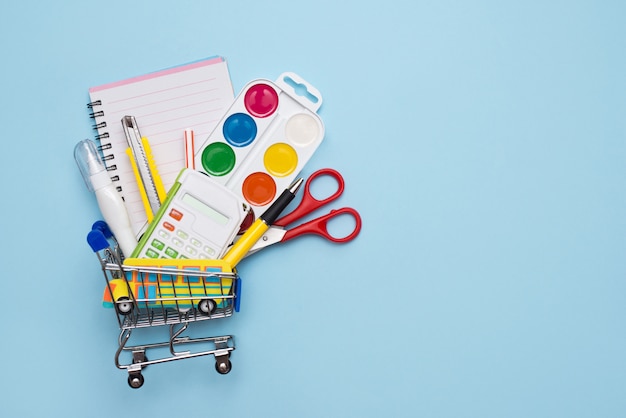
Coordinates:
(165, 293)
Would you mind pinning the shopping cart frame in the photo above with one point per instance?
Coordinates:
(142, 310)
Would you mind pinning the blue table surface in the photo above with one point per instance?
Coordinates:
(483, 143)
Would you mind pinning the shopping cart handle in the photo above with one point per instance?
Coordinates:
(103, 227)
(96, 240)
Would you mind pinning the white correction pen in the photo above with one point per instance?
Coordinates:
(109, 200)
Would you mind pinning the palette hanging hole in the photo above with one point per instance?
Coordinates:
(301, 89)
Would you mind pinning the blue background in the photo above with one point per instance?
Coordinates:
(482, 142)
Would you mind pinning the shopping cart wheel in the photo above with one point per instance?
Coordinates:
(135, 380)
(207, 306)
(124, 306)
(223, 365)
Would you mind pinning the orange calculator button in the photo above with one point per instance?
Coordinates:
(168, 226)
(176, 214)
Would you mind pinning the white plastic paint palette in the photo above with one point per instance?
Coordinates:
(264, 140)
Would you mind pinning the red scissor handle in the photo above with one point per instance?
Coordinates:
(319, 226)
(309, 203)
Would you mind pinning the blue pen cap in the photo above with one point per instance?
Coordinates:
(89, 162)
(96, 240)
(102, 227)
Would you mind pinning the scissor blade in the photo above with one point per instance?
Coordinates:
(273, 235)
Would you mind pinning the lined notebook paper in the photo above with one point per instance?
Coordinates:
(164, 104)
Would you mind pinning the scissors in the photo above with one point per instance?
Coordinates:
(278, 231)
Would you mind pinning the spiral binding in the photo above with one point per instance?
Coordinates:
(103, 146)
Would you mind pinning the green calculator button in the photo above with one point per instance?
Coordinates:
(158, 244)
(150, 253)
(170, 252)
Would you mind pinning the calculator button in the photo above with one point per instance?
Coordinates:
(190, 250)
(210, 251)
(176, 214)
(182, 234)
(150, 253)
(196, 242)
(177, 242)
(163, 234)
(170, 252)
(158, 244)
(168, 226)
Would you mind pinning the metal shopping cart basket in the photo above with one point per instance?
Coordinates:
(165, 293)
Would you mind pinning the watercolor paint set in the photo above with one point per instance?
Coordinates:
(265, 138)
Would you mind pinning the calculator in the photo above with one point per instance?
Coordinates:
(198, 219)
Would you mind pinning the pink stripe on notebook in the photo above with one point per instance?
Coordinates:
(161, 73)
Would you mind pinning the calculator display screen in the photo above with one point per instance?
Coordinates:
(205, 209)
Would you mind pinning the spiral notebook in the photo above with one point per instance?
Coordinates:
(164, 103)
